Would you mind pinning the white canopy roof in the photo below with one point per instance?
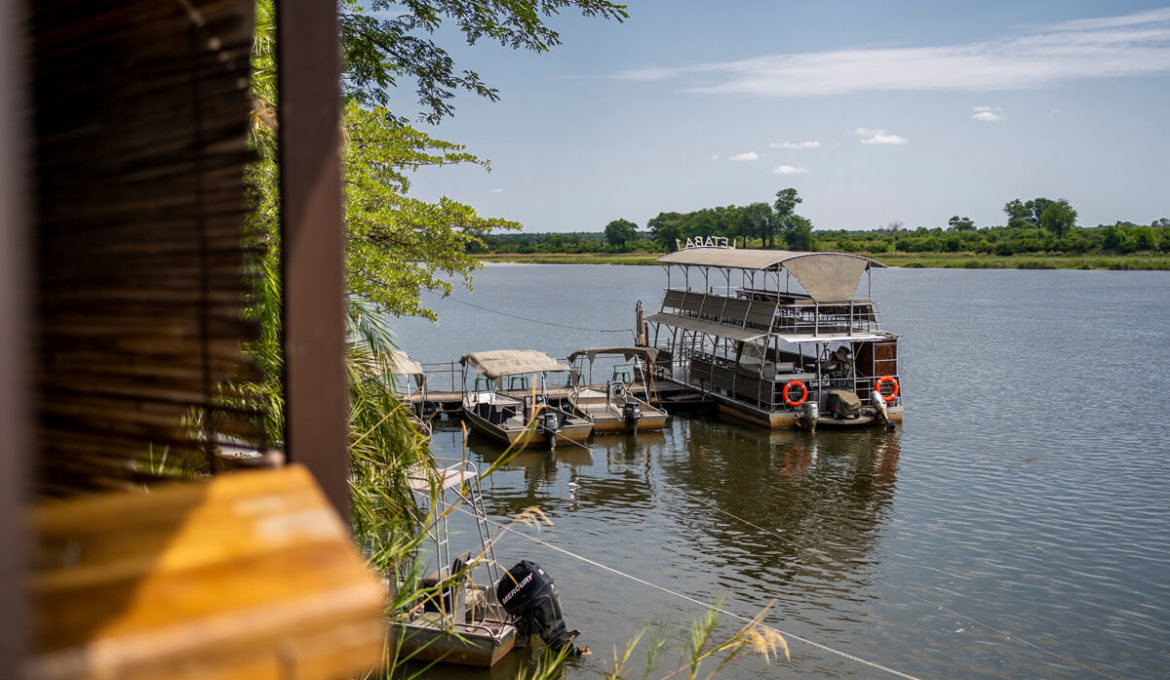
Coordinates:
(628, 353)
(501, 362)
(400, 364)
(828, 277)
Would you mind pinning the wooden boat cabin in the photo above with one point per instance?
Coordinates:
(778, 338)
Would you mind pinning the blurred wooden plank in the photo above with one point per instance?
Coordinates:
(250, 575)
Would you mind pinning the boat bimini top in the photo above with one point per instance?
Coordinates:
(827, 277)
(591, 353)
(498, 363)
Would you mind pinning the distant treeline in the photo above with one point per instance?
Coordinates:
(1040, 225)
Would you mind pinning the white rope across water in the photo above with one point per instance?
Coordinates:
(539, 321)
(733, 615)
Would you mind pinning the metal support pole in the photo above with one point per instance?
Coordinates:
(312, 237)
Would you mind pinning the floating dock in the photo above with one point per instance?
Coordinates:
(665, 393)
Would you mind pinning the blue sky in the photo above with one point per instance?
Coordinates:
(875, 111)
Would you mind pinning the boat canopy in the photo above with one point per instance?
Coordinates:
(400, 364)
(502, 362)
(591, 353)
(827, 277)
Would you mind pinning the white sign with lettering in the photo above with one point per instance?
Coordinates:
(704, 242)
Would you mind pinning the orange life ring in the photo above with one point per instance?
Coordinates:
(803, 393)
(883, 380)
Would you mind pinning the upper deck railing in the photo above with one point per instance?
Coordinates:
(772, 312)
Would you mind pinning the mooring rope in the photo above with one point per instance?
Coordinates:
(539, 321)
(1007, 635)
(812, 643)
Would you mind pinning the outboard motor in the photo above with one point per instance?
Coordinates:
(550, 423)
(809, 416)
(530, 596)
(631, 413)
(879, 407)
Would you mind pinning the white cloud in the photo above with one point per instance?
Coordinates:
(497, 190)
(1109, 47)
(884, 139)
(988, 114)
(869, 136)
(746, 156)
(789, 170)
(812, 144)
(714, 156)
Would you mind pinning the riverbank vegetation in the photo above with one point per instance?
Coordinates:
(1040, 233)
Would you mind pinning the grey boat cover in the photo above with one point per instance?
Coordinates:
(827, 277)
(628, 353)
(501, 362)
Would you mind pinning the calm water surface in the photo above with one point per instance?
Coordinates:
(1016, 526)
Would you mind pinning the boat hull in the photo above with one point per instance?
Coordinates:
(466, 645)
(780, 420)
(527, 436)
(650, 422)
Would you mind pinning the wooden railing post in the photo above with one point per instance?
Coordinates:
(312, 238)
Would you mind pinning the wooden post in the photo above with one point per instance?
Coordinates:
(16, 360)
(313, 266)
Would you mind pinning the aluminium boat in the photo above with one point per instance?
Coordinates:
(510, 403)
(453, 620)
(615, 407)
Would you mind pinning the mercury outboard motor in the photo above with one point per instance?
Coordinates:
(631, 413)
(550, 423)
(530, 596)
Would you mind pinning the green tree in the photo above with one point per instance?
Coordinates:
(785, 205)
(386, 41)
(1057, 217)
(756, 221)
(1019, 214)
(799, 233)
(666, 228)
(620, 233)
(961, 224)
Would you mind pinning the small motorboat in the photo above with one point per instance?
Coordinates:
(520, 414)
(454, 620)
(615, 407)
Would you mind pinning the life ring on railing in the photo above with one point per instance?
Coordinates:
(803, 393)
(882, 381)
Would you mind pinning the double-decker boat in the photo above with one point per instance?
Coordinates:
(778, 338)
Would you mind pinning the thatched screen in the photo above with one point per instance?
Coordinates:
(141, 115)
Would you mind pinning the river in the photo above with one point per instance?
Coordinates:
(1016, 525)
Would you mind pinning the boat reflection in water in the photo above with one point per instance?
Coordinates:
(776, 506)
